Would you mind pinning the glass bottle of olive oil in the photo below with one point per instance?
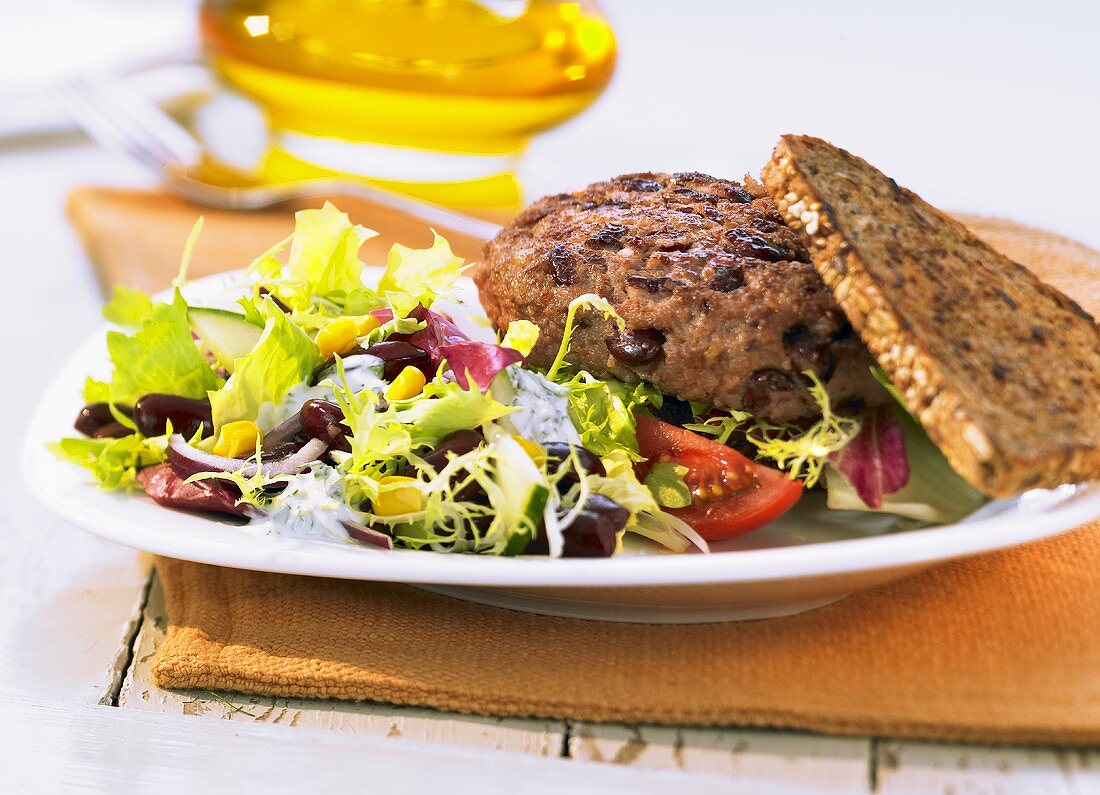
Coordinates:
(433, 96)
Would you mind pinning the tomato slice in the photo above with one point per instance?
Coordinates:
(731, 494)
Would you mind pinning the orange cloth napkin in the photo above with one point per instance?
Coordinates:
(999, 648)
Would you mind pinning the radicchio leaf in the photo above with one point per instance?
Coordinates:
(441, 339)
(874, 462)
(480, 361)
(168, 488)
(438, 331)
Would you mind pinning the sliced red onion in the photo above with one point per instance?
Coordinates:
(367, 535)
(293, 463)
(875, 462)
(190, 460)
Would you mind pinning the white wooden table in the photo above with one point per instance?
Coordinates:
(79, 618)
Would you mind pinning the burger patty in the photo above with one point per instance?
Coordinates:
(720, 300)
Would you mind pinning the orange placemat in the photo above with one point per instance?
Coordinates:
(1000, 648)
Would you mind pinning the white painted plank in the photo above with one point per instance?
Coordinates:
(65, 598)
(538, 737)
(922, 767)
(47, 747)
(753, 758)
(67, 604)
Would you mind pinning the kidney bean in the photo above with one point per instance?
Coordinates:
(397, 355)
(455, 444)
(324, 420)
(636, 347)
(96, 415)
(594, 532)
(557, 452)
(112, 430)
(459, 443)
(152, 413)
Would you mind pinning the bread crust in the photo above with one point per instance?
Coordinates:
(1002, 370)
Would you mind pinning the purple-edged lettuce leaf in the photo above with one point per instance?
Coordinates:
(480, 361)
(874, 462)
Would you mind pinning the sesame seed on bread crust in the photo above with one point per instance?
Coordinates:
(1002, 370)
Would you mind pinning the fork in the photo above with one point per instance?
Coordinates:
(122, 120)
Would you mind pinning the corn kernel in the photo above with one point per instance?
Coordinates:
(237, 438)
(533, 449)
(397, 501)
(409, 383)
(338, 337)
(366, 324)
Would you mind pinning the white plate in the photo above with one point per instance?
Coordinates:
(808, 558)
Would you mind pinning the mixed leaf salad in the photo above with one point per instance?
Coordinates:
(320, 407)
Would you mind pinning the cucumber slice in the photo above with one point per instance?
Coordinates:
(227, 335)
(525, 493)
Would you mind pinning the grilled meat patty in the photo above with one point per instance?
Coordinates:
(720, 300)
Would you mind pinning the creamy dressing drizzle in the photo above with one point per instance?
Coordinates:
(311, 507)
(362, 372)
(543, 414)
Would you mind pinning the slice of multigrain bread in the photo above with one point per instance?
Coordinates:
(1002, 370)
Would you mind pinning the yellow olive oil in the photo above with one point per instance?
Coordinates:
(456, 76)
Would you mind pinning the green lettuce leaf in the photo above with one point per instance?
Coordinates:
(603, 412)
(188, 252)
(444, 408)
(254, 307)
(113, 462)
(666, 483)
(361, 301)
(284, 357)
(267, 265)
(324, 251)
(96, 391)
(421, 275)
(804, 455)
(620, 484)
(127, 307)
(161, 356)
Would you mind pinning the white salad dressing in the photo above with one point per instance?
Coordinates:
(310, 507)
(543, 414)
(362, 372)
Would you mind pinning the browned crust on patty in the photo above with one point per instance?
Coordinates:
(701, 269)
(1002, 370)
